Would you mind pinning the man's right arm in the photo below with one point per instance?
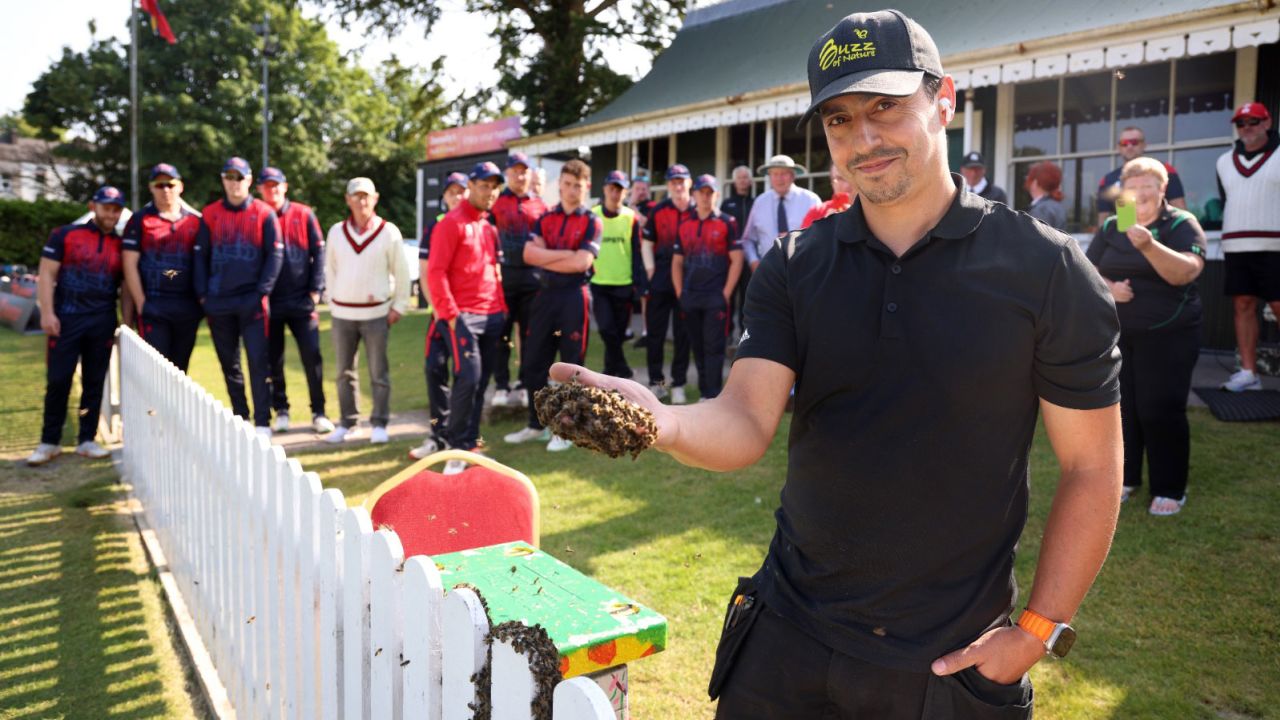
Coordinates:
(729, 432)
(200, 276)
(44, 296)
(442, 245)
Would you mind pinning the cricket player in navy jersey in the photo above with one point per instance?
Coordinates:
(704, 271)
(515, 212)
(79, 286)
(238, 258)
(663, 307)
(159, 268)
(619, 273)
(294, 298)
(565, 244)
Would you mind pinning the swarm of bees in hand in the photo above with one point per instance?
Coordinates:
(596, 419)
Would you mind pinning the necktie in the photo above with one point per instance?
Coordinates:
(782, 215)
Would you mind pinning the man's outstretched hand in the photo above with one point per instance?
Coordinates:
(631, 390)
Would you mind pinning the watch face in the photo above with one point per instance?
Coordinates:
(1066, 637)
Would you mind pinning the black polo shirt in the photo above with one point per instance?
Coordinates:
(917, 388)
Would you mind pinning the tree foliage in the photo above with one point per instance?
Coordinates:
(553, 53)
(200, 102)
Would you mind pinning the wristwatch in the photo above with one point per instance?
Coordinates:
(1057, 637)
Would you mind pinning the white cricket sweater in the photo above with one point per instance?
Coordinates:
(1251, 214)
(366, 273)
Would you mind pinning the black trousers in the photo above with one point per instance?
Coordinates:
(438, 353)
(519, 286)
(739, 297)
(306, 332)
(779, 673)
(227, 330)
(611, 305)
(472, 346)
(86, 340)
(706, 319)
(663, 308)
(1155, 377)
(559, 324)
(173, 337)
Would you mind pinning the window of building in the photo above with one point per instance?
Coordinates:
(1183, 108)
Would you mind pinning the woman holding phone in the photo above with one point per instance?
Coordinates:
(1150, 254)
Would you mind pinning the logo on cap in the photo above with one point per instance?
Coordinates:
(833, 55)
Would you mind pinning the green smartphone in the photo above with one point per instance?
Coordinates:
(1126, 212)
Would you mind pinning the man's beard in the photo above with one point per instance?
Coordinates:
(875, 193)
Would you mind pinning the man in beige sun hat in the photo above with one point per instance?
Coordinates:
(777, 210)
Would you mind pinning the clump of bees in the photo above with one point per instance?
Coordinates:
(596, 419)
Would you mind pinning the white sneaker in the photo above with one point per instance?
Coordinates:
(677, 396)
(499, 398)
(659, 391)
(339, 434)
(558, 444)
(379, 436)
(1243, 380)
(282, 422)
(321, 425)
(519, 398)
(43, 453)
(264, 431)
(455, 467)
(428, 447)
(91, 449)
(526, 434)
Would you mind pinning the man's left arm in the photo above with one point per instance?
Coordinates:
(1076, 540)
(315, 248)
(399, 266)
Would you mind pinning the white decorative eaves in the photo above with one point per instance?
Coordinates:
(1254, 34)
(1209, 41)
(1122, 55)
(1166, 48)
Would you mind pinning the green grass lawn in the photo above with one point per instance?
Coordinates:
(1182, 622)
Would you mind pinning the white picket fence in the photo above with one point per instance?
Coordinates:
(305, 611)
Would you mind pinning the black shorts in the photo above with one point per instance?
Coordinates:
(1256, 274)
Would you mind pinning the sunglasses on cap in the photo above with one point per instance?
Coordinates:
(1247, 122)
(163, 185)
(233, 176)
(1130, 142)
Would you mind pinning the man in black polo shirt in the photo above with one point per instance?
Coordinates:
(888, 588)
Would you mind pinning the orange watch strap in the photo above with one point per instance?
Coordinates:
(1037, 624)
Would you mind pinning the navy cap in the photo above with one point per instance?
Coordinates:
(619, 178)
(165, 169)
(518, 158)
(706, 181)
(678, 171)
(884, 53)
(109, 195)
(238, 164)
(484, 171)
(271, 174)
(641, 177)
(455, 178)
(973, 159)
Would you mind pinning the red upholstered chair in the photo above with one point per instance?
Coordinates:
(486, 504)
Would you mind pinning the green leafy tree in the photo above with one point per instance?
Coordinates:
(567, 77)
(200, 102)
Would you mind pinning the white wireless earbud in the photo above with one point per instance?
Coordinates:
(945, 102)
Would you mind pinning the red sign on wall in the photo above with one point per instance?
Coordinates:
(472, 139)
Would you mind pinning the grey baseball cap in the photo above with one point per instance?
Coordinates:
(883, 52)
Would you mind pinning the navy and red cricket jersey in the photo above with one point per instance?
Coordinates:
(577, 230)
(705, 245)
(90, 270)
(663, 229)
(302, 262)
(166, 260)
(462, 275)
(238, 255)
(516, 218)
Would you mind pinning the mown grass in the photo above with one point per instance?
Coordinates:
(1182, 623)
